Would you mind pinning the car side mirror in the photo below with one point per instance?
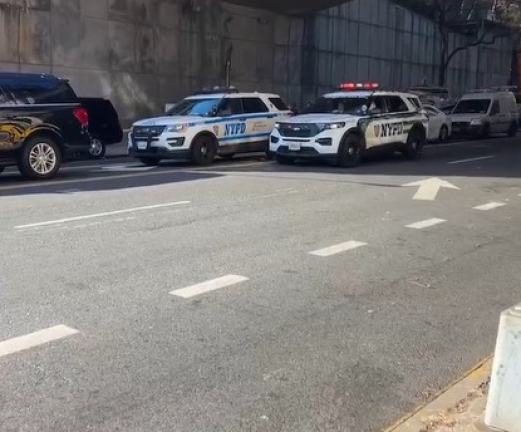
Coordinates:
(214, 112)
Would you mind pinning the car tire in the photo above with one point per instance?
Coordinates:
(414, 147)
(444, 134)
(204, 150)
(284, 160)
(149, 161)
(512, 132)
(40, 159)
(350, 152)
(97, 148)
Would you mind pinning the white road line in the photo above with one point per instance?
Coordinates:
(208, 286)
(100, 215)
(489, 206)
(426, 223)
(476, 159)
(33, 340)
(339, 248)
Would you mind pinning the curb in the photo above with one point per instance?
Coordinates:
(446, 399)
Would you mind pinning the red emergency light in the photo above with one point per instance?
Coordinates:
(358, 86)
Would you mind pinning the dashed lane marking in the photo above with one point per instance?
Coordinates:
(490, 206)
(33, 340)
(476, 159)
(339, 248)
(208, 286)
(100, 215)
(426, 223)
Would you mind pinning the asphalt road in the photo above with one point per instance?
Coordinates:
(338, 302)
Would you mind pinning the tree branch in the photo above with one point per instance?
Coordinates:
(480, 41)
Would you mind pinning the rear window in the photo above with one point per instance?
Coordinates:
(395, 104)
(41, 91)
(253, 106)
(279, 104)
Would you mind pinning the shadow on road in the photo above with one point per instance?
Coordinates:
(501, 159)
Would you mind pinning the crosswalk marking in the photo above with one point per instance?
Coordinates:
(339, 248)
(426, 223)
(33, 340)
(489, 206)
(208, 286)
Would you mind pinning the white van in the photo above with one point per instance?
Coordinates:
(485, 112)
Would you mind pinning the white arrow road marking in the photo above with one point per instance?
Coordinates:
(429, 188)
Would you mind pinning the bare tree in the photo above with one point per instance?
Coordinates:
(471, 18)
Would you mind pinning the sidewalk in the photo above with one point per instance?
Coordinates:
(467, 416)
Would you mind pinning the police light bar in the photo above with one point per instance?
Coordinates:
(359, 86)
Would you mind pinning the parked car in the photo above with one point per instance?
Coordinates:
(485, 112)
(440, 124)
(42, 124)
(344, 126)
(104, 126)
(217, 122)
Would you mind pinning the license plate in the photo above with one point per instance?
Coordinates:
(294, 146)
(142, 145)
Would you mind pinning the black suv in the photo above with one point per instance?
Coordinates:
(42, 123)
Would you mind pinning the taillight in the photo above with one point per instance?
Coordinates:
(82, 116)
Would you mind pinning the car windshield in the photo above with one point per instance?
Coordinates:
(472, 106)
(194, 107)
(345, 105)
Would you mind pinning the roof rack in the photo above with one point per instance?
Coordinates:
(493, 89)
(217, 90)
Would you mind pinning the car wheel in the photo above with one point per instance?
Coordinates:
(40, 159)
(204, 150)
(284, 160)
(350, 152)
(149, 161)
(512, 132)
(444, 134)
(414, 147)
(97, 149)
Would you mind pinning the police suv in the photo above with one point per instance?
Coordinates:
(212, 123)
(355, 120)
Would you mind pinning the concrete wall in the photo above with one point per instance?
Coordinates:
(377, 40)
(144, 53)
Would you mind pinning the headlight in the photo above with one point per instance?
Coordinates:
(177, 128)
(327, 126)
(277, 125)
(476, 122)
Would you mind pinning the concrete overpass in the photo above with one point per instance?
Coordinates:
(289, 7)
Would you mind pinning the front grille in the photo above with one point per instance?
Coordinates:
(146, 132)
(298, 130)
(461, 124)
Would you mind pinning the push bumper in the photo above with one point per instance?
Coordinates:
(313, 148)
